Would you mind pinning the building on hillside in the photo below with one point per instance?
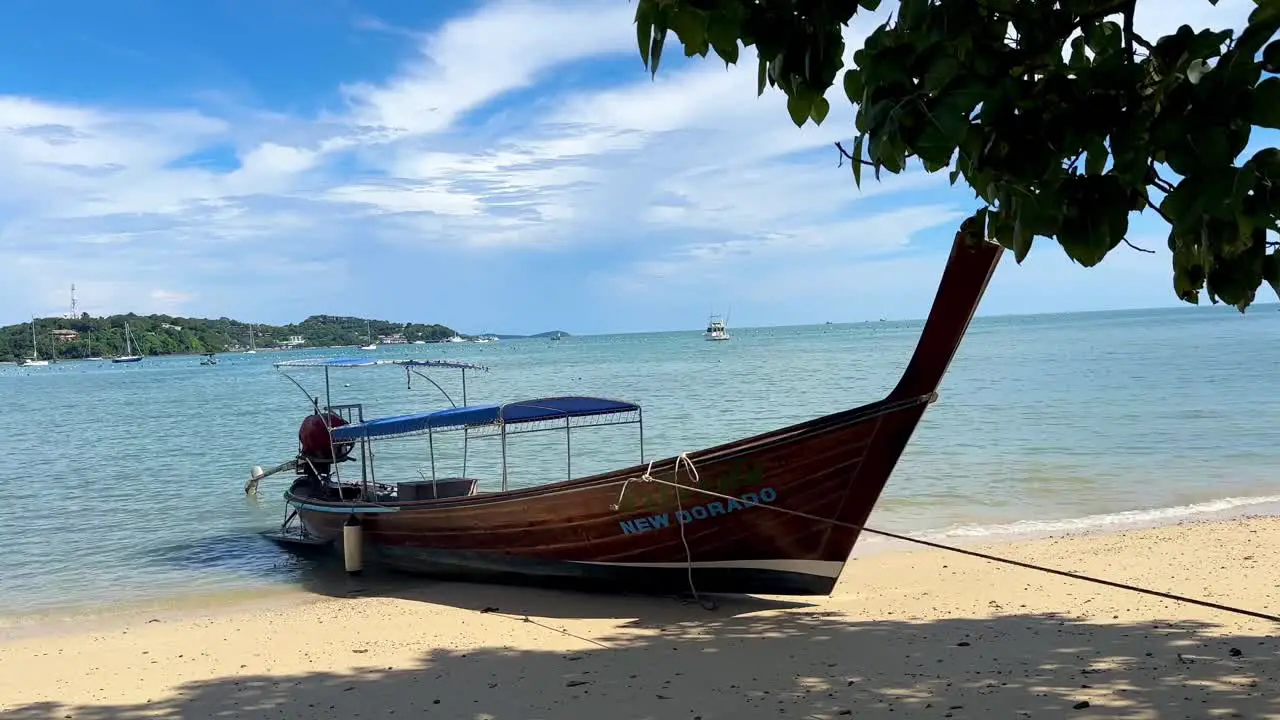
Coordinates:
(64, 336)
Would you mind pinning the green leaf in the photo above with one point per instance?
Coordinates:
(911, 12)
(1266, 104)
(819, 110)
(869, 5)
(1184, 205)
(941, 72)
(944, 130)
(1079, 56)
(1271, 271)
(690, 26)
(1095, 217)
(857, 161)
(1096, 158)
(1235, 279)
(1271, 57)
(853, 87)
(655, 50)
(1103, 38)
(799, 105)
(1188, 270)
(762, 74)
(723, 32)
(644, 28)
(1020, 238)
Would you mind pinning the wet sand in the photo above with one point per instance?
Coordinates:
(912, 634)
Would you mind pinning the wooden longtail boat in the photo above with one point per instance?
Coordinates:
(708, 518)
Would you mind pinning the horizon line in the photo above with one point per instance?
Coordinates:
(980, 316)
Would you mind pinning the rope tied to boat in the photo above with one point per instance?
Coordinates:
(648, 477)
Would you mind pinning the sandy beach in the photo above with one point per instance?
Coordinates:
(907, 634)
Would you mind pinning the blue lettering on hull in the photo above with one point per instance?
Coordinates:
(705, 511)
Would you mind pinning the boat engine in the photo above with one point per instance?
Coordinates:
(314, 442)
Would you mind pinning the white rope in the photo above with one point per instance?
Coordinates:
(692, 471)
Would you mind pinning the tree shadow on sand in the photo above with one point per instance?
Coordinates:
(750, 659)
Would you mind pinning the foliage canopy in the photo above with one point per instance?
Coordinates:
(168, 335)
(1060, 117)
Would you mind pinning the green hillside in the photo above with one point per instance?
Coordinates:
(167, 335)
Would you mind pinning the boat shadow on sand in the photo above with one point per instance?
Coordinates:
(791, 663)
(326, 577)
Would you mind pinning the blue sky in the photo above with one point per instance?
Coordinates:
(503, 166)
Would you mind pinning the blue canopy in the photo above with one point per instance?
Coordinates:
(368, 362)
(528, 411)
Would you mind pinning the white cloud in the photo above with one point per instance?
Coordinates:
(521, 127)
(472, 60)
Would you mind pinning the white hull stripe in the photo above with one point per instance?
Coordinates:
(823, 568)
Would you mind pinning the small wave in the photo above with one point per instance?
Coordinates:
(1127, 518)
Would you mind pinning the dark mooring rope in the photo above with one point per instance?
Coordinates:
(993, 558)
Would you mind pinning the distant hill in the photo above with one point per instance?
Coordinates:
(168, 335)
(547, 334)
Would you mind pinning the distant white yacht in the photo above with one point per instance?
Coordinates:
(253, 348)
(716, 329)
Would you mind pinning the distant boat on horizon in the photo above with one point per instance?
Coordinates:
(34, 360)
(128, 356)
(90, 348)
(369, 336)
(716, 329)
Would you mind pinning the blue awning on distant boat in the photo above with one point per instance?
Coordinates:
(528, 411)
(369, 362)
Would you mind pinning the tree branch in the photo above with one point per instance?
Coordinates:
(850, 157)
(1139, 249)
(1160, 212)
(1154, 178)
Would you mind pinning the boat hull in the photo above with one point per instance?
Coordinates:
(760, 577)
(132, 359)
(772, 516)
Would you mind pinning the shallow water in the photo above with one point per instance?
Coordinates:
(125, 481)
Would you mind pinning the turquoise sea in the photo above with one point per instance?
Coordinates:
(125, 482)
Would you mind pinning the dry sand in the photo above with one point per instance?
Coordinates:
(915, 634)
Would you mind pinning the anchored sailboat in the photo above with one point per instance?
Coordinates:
(128, 356)
(253, 348)
(34, 360)
(368, 332)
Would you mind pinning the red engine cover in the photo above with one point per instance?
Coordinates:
(313, 437)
